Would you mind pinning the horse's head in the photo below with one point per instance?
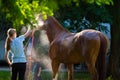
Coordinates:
(40, 23)
(52, 27)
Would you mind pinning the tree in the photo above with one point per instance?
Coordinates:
(23, 12)
(84, 16)
(115, 38)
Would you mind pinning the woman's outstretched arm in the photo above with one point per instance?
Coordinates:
(29, 32)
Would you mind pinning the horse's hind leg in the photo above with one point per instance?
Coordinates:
(70, 71)
(93, 71)
(55, 66)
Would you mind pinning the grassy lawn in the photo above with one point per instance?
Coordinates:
(5, 75)
(63, 76)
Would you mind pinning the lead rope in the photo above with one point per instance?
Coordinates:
(29, 64)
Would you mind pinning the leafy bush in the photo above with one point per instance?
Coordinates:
(110, 78)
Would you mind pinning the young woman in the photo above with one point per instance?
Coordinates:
(15, 45)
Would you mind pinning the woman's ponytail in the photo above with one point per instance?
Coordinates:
(7, 44)
(10, 33)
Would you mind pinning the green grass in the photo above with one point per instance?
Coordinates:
(64, 76)
(5, 75)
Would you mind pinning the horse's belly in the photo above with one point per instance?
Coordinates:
(72, 59)
(75, 61)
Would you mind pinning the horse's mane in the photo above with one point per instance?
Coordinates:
(56, 23)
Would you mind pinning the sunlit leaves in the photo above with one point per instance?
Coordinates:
(108, 2)
(89, 1)
(25, 8)
(100, 2)
(28, 10)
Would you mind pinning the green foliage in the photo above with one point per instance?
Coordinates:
(109, 78)
(100, 2)
(4, 75)
(23, 12)
(74, 15)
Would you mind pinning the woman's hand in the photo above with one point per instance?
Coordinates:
(28, 32)
(10, 64)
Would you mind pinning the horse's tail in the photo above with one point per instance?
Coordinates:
(101, 60)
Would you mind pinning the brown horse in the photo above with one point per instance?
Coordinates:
(89, 46)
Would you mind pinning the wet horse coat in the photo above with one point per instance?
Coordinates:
(89, 46)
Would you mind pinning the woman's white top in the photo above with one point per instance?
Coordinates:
(17, 49)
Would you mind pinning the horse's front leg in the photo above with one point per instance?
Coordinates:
(55, 66)
(70, 71)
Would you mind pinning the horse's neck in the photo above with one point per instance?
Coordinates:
(53, 33)
(54, 28)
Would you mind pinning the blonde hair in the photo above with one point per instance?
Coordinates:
(10, 33)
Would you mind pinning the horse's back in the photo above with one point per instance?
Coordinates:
(89, 34)
(95, 35)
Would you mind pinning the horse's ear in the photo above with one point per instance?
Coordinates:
(39, 17)
(40, 21)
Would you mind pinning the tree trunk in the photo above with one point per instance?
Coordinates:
(113, 65)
